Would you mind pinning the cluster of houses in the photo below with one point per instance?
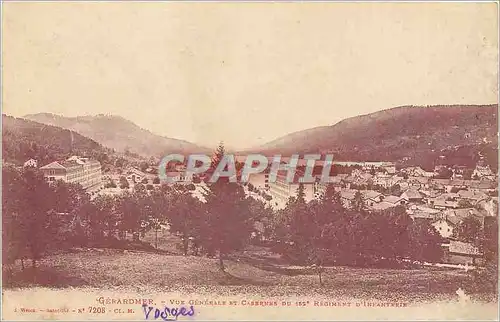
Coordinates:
(444, 203)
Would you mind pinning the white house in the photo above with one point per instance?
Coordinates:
(394, 200)
(135, 175)
(411, 195)
(180, 177)
(482, 171)
(80, 170)
(31, 163)
(444, 227)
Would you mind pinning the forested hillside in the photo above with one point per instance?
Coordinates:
(23, 139)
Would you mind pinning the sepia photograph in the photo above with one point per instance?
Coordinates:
(292, 161)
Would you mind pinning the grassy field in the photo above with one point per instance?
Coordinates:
(256, 271)
(141, 271)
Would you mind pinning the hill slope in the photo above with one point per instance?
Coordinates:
(410, 134)
(118, 133)
(24, 139)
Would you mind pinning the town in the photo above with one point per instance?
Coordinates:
(215, 161)
(446, 197)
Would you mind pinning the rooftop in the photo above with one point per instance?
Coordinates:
(382, 205)
(392, 199)
(463, 248)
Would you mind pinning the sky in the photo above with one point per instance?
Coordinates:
(244, 73)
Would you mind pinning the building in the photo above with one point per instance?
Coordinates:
(445, 226)
(281, 190)
(440, 203)
(473, 197)
(422, 213)
(319, 188)
(31, 163)
(489, 206)
(381, 206)
(180, 176)
(347, 197)
(372, 195)
(463, 253)
(258, 180)
(394, 200)
(417, 172)
(135, 175)
(418, 182)
(482, 170)
(411, 196)
(482, 185)
(463, 213)
(390, 168)
(79, 170)
(458, 171)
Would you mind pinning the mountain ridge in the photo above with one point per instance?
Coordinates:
(322, 127)
(118, 133)
(397, 134)
(23, 139)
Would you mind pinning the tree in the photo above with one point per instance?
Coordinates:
(104, 217)
(399, 235)
(28, 205)
(300, 227)
(218, 156)
(228, 224)
(395, 190)
(120, 162)
(467, 175)
(328, 216)
(72, 200)
(228, 218)
(358, 204)
(359, 233)
(143, 166)
(124, 183)
(157, 208)
(13, 239)
(486, 280)
(444, 173)
(463, 203)
(70, 197)
(156, 180)
(139, 188)
(425, 242)
(186, 217)
(469, 230)
(110, 184)
(132, 208)
(262, 213)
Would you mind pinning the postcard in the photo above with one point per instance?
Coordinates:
(183, 161)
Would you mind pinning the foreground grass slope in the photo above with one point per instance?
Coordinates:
(141, 271)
